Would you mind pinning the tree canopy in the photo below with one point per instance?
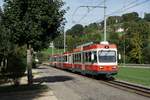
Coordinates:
(76, 30)
(33, 22)
(27, 24)
(147, 17)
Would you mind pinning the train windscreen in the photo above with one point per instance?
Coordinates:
(107, 56)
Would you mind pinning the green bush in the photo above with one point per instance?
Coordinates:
(16, 65)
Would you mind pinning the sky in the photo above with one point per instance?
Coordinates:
(75, 15)
(79, 15)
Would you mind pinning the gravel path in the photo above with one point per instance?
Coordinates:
(68, 86)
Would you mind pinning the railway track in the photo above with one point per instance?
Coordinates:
(140, 90)
(144, 91)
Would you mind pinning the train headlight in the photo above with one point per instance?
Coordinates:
(107, 47)
(114, 67)
(101, 67)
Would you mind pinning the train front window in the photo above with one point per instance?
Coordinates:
(107, 56)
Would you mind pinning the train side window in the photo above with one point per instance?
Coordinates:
(84, 57)
(65, 58)
(79, 57)
(73, 58)
(70, 59)
(94, 60)
(89, 56)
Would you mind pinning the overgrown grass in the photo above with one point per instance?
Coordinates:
(135, 75)
(45, 53)
(22, 88)
(55, 51)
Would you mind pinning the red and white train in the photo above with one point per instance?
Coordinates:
(90, 58)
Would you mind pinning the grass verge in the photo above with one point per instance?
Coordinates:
(135, 75)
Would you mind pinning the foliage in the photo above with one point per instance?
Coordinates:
(133, 43)
(27, 23)
(59, 41)
(114, 20)
(72, 41)
(16, 64)
(130, 17)
(146, 54)
(138, 34)
(76, 30)
(41, 56)
(147, 17)
(114, 38)
(136, 51)
(92, 28)
(33, 22)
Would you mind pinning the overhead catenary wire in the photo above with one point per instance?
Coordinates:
(85, 15)
(129, 6)
(121, 9)
(89, 10)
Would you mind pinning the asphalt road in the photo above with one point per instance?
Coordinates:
(68, 86)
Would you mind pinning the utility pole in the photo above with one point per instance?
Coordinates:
(52, 46)
(105, 37)
(104, 6)
(64, 41)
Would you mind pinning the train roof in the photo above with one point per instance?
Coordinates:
(68, 52)
(89, 46)
(102, 45)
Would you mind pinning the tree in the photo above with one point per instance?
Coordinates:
(33, 23)
(147, 17)
(59, 41)
(71, 42)
(130, 17)
(114, 38)
(76, 30)
(5, 43)
(114, 20)
(16, 64)
(137, 33)
(92, 28)
(136, 55)
(11, 55)
(146, 54)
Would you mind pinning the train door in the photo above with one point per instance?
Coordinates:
(61, 61)
(82, 60)
(70, 61)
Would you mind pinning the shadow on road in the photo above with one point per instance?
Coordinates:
(53, 79)
(22, 92)
(41, 68)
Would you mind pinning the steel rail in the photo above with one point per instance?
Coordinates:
(134, 88)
